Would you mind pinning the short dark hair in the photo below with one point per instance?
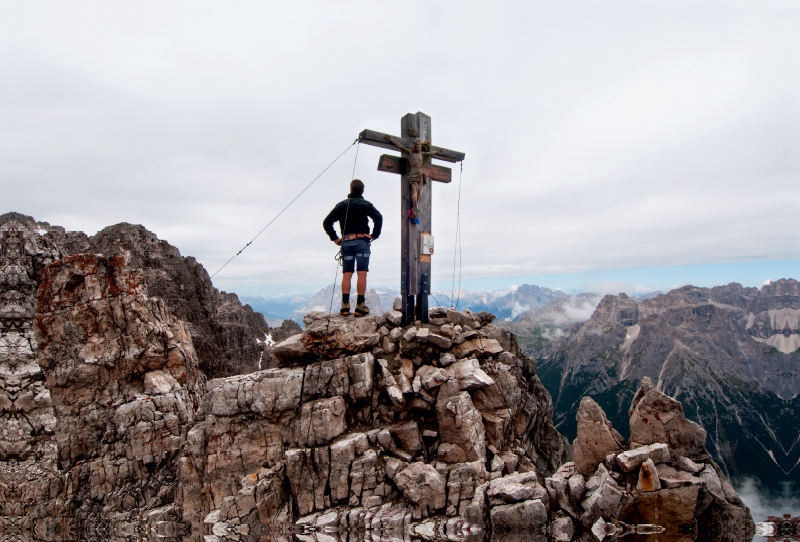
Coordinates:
(356, 187)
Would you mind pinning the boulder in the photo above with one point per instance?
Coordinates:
(291, 350)
(431, 377)
(469, 374)
(514, 488)
(595, 438)
(671, 478)
(656, 417)
(686, 464)
(422, 485)
(407, 435)
(631, 459)
(438, 340)
(562, 529)
(577, 487)
(713, 484)
(460, 425)
(329, 335)
(361, 370)
(394, 316)
(648, 477)
(603, 497)
(520, 522)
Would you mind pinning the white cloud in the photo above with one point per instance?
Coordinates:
(598, 136)
(518, 309)
(762, 504)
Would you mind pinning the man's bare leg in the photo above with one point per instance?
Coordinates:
(348, 277)
(361, 283)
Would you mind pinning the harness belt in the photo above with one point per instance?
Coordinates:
(351, 236)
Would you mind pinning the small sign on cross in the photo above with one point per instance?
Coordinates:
(415, 202)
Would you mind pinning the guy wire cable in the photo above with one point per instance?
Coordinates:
(457, 247)
(339, 261)
(287, 206)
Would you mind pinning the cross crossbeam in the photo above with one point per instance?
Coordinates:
(415, 202)
(378, 139)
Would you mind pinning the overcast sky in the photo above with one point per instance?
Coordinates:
(599, 135)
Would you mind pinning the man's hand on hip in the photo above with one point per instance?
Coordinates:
(338, 242)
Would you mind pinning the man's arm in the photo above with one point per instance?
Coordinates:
(397, 144)
(377, 221)
(327, 224)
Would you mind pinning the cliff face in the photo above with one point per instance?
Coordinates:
(99, 383)
(228, 337)
(728, 353)
(443, 430)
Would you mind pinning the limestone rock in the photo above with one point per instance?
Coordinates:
(394, 316)
(686, 464)
(631, 459)
(291, 350)
(671, 478)
(470, 375)
(438, 340)
(343, 453)
(520, 522)
(407, 435)
(595, 439)
(603, 497)
(308, 470)
(422, 485)
(330, 335)
(228, 337)
(321, 421)
(657, 417)
(648, 477)
(514, 488)
(577, 487)
(713, 483)
(460, 425)
(562, 529)
(431, 377)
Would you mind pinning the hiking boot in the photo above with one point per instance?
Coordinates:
(345, 310)
(362, 309)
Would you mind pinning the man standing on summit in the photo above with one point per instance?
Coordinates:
(352, 215)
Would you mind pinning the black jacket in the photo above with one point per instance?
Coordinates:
(357, 214)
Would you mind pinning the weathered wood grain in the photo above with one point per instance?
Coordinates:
(394, 164)
(378, 139)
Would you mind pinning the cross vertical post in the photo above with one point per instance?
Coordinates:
(415, 267)
(415, 301)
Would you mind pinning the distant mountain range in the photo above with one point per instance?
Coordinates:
(729, 353)
(507, 304)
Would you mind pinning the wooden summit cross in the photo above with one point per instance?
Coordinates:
(415, 267)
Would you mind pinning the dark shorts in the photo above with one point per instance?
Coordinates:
(356, 251)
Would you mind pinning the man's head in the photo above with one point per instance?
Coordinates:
(417, 145)
(356, 187)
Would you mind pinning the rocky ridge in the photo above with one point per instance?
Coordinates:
(431, 431)
(727, 353)
(229, 337)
